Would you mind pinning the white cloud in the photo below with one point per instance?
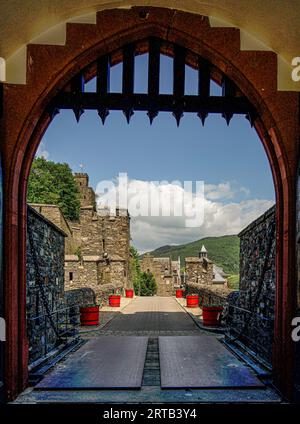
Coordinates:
(42, 152)
(224, 190)
(222, 215)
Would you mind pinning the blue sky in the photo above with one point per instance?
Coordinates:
(215, 153)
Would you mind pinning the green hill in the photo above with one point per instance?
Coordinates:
(223, 251)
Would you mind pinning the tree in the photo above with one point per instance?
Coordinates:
(143, 282)
(148, 286)
(53, 183)
(135, 270)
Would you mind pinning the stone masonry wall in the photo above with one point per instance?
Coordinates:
(103, 279)
(199, 271)
(103, 253)
(209, 294)
(256, 295)
(91, 232)
(116, 231)
(162, 270)
(48, 243)
(97, 247)
(54, 214)
(80, 297)
(87, 195)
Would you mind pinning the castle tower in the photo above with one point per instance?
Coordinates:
(101, 260)
(203, 252)
(87, 194)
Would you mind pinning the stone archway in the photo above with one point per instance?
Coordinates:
(25, 118)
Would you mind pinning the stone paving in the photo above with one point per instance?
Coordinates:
(152, 314)
(147, 316)
(196, 312)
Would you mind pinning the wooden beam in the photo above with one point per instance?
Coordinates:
(128, 70)
(128, 80)
(203, 78)
(77, 88)
(228, 87)
(77, 84)
(153, 67)
(153, 77)
(103, 84)
(203, 85)
(179, 71)
(228, 91)
(103, 75)
(165, 102)
(178, 81)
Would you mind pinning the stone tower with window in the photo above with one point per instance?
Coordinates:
(87, 194)
(101, 258)
(199, 270)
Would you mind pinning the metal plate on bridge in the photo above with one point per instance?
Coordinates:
(106, 362)
(201, 362)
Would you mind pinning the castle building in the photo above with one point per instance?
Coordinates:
(165, 271)
(102, 256)
(201, 270)
(97, 245)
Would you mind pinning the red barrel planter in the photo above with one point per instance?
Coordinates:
(114, 300)
(192, 301)
(89, 315)
(179, 293)
(211, 315)
(129, 293)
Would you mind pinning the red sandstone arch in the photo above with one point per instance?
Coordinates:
(25, 119)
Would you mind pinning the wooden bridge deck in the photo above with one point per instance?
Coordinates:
(152, 317)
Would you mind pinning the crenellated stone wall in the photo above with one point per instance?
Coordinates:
(87, 194)
(101, 259)
(97, 247)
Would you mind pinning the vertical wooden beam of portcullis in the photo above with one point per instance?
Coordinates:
(203, 87)
(178, 81)
(103, 85)
(153, 77)
(128, 80)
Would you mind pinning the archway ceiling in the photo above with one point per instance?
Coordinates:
(274, 24)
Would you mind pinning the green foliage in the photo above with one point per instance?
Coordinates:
(53, 183)
(78, 252)
(144, 283)
(234, 281)
(134, 269)
(148, 285)
(223, 251)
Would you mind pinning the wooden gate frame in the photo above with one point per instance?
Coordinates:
(25, 119)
